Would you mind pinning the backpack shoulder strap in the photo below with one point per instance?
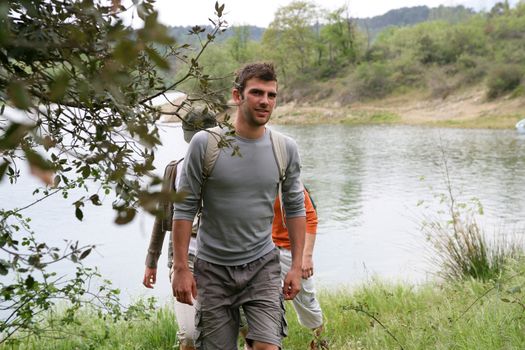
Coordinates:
(212, 151)
(281, 157)
(280, 152)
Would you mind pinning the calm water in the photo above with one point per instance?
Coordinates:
(366, 182)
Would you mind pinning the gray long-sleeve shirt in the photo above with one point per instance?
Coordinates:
(238, 198)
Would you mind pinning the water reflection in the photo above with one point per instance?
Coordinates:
(368, 180)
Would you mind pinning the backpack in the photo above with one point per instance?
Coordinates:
(279, 151)
(168, 185)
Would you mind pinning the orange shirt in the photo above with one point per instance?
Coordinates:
(280, 233)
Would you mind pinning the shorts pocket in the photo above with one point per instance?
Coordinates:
(284, 323)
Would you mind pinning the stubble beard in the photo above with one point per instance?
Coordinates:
(252, 120)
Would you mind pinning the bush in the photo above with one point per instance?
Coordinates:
(463, 251)
(373, 80)
(503, 79)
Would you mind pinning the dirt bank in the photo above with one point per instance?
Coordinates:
(467, 108)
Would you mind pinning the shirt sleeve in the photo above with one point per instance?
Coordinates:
(191, 178)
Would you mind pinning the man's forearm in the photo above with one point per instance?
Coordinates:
(181, 241)
(309, 244)
(296, 231)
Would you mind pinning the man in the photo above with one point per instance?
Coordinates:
(195, 120)
(305, 303)
(237, 264)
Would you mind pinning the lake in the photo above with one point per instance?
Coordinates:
(373, 187)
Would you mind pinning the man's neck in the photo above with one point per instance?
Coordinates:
(247, 131)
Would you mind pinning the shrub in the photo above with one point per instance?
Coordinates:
(373, 80)
(463, 251)
(503, 79)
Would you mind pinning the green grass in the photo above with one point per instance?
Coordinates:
(467, 314)
(90, 332)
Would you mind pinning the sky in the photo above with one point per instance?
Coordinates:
(261, 13)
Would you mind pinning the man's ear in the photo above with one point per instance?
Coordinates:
(236, 96)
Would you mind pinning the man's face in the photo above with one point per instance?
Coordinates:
(257, 101)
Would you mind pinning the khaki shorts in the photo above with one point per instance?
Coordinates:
(222, 290)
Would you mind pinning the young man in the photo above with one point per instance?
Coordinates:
(195, 120)
(237, 263)
(305, 303)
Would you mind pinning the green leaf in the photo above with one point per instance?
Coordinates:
(17, 93)
(30, 282)
(85, 253)
(3, 168)
(57, 181)
(37, 160)
(13, 135)
(4, 267)
(95, 200)
(58, 87)
(125, 216)
(125, 51)
(155, 57)
(79, 214)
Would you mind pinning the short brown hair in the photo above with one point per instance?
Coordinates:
(264, 71)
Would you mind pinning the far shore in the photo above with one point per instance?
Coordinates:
(465, 109)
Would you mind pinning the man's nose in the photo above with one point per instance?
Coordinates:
(264, 99)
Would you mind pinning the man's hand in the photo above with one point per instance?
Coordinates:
(292, 284)
(308, 267)
(150, 277)
(183, 285)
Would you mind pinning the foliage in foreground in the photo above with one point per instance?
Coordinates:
(467, 314)
(77, 105)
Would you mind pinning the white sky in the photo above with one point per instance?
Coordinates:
(261, 13)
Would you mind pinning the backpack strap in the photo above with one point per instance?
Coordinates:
(212, 151)
(281, 157)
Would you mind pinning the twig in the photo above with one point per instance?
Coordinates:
(360, 309)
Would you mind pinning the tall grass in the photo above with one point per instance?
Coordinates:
(379, 315)
(459, 245)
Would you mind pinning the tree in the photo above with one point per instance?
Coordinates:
(86, 82)
(340, 33)
(290, 38)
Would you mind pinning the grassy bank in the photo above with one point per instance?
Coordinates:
(378, 315)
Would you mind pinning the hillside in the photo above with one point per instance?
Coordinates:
(401, 17)
(408, 16)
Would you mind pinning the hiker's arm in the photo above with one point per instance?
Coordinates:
(292, 281)
(182, 282)
(309, 242)
(154, 249)
(308, 260)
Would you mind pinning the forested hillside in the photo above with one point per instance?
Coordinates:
(407, 16)
(327, 55)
